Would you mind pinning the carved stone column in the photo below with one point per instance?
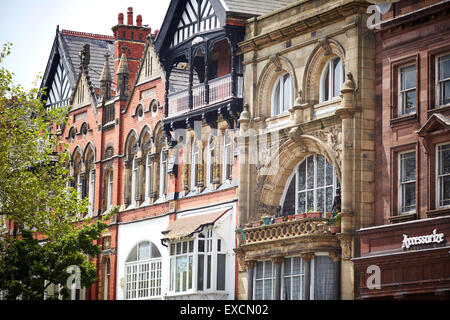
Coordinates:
(126, 178)
(251, 274)
(277, 261)
(154, 157)
(307, 257)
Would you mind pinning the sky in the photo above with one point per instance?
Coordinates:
(30, 25)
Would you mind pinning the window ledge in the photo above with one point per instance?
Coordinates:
(403, 217)
(404, 119)
(442, 108)
(438, 212)
(108, 126)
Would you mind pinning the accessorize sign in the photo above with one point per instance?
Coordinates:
(414, 241)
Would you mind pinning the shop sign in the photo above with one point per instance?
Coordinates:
(420, 240)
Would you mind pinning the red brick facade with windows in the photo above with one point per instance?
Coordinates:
(411, 33)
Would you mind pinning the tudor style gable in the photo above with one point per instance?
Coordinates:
(197, 17)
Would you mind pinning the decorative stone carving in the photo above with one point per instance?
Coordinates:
(326, 46)
(275, 59)
(332, 137)
(346, 245)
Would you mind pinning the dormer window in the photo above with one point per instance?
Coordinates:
(331, 80)
(282, 95)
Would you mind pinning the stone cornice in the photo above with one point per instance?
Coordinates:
(308, 23)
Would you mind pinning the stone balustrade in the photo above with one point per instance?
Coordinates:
(285, 230)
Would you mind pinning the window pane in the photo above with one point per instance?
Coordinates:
(200, 272)
(409, 103)
(258, 289)
(320, 200)
(259, 269)
(408, 77)
(191, 263)
(276, 100)
(302, 202)
(330, 199)
(133, 255)
(221, 262)
(287, 94)
(144, 251)
(287, 266)
(329, 173)
(268, 269)
(208, 273)
(155, 252)
(408, 167)
(445, 191)
(302, 176)
(268, 289)
(310, 172)
(287, 289)
(310, 200)
(444, 159)
(326, 84)
(444, 67)
(337, 76)
(320, 171)
(289, 200)
(201, 245)
(445, 92)
(409, 196)
(296, 265)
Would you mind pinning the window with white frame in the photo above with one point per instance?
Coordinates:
(443, 80)
(282, 94)
(198, 264)
(109, 197)
(163, 173)
(407, 90)
(134, 180)
(407, 181)
(264, 280)
(443, 175)
(227, 156)
(143, 269)
(148, 176)
(293, 286)
(312, 187)
(331, 80)
(194, 163)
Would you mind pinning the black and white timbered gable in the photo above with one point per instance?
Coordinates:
(198, 16)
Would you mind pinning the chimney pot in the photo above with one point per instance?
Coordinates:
(139, 20)
(120, 18)
(130, 16)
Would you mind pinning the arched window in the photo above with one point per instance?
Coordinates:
(282, 94)
(312, 187)
(143, 272)
(134, 180)
(109, 189)
(148, 176)
(331, 80)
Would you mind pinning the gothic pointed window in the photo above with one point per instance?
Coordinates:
(148, 176)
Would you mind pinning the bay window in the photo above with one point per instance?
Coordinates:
(197, 264)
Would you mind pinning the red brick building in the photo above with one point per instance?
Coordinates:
(412, 157)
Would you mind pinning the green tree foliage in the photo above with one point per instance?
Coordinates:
(35, 193)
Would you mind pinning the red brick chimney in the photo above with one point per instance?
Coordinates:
(130, 16)
(134, 38)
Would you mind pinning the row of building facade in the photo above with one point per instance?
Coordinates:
(288, 111)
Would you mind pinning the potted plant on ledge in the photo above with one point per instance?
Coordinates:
(334, 223)
(266, 220)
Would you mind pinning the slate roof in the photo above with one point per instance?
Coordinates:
(255, 7)
(100, 45)
(66, 46)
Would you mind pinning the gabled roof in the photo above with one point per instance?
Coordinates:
(436, 122)
(222, 9)
(66, 46)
